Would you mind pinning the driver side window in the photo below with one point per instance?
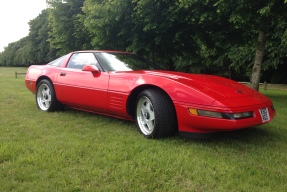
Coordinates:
(79, 60)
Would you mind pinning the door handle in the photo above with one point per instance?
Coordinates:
(62, 74)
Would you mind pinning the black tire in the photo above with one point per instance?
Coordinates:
(155, 114)
(46, 97)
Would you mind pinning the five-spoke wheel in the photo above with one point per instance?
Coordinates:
(46, 98)
(145, 115)
(155, 114)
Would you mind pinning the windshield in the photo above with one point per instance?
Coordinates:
(124, 62)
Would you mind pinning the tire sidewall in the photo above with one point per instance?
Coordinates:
(53, 96)
(149, 96)
(164, 113)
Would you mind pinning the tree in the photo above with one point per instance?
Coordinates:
(109, 23)
(261, 18)
(154, 28)
(68, 32)
(215, 37)
(41, 52)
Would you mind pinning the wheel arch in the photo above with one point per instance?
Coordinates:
(43, 77)
(46, 78)
(131, 101)
(55, 105)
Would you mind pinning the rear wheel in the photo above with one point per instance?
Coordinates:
(46, 98)
(155, 114)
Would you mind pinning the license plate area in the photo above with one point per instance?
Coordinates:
(264, 114)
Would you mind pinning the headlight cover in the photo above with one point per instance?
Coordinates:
(209, 114)
(214, 114)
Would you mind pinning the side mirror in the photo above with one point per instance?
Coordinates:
(91, 68)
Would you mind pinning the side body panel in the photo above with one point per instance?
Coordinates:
(36, 71)
(82, 90)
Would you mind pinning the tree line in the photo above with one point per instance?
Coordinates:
(240, 39)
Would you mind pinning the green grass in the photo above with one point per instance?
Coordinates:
(78, 151)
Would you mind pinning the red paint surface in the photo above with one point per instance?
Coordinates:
(107, 93)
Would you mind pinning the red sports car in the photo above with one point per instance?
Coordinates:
(124, 85)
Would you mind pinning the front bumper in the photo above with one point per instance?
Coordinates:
(201, 124)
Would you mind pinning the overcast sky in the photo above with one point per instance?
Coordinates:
(14, 18)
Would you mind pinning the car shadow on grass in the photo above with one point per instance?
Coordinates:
(255, 135)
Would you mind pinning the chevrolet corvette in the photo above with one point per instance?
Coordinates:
(163, 103)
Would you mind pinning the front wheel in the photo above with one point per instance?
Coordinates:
(46, 98)
(155, 114)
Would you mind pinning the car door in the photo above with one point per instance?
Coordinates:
(82, 89)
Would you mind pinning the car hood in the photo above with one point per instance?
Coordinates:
(213, 86)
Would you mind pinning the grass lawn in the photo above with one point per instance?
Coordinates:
(79, 151)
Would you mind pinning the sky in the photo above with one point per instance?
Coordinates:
(14, 18)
